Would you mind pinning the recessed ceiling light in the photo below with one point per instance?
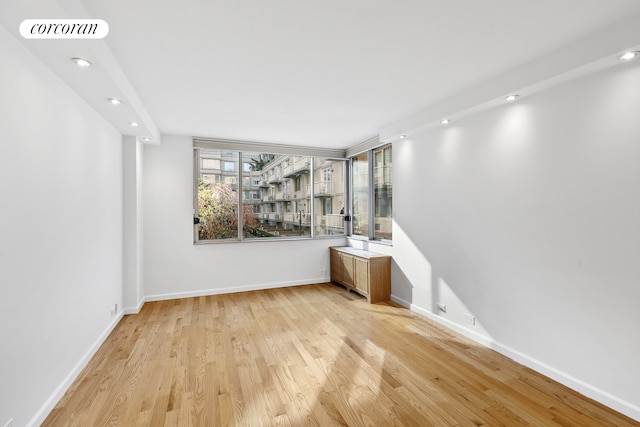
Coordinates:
(146, 139)
(80, 62)
(628, 56)
(403, 136)
(114, 101)
(445, 121)
(133, 124)
(512, 98)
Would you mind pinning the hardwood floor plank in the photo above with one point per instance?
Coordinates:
(314, 355)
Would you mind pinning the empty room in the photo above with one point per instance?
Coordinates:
(336, 213)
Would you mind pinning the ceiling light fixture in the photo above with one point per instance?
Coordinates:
(80, 62)
(146, 139)
(512, 98)
(628, 56)
(445, 121)
(403, 136)
(114, 101)
(133, 124)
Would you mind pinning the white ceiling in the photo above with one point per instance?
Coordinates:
(327, 73)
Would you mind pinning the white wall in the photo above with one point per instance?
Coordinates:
(175, 267)
(60, 233)
(527, 216)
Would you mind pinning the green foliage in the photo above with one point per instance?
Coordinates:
(218, 212)
(261, 162)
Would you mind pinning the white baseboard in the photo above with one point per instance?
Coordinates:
(580, 386)
(220, 291)
(246, 288)
(136, 309)
(55, 397)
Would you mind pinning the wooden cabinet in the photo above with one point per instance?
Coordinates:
(364, 272)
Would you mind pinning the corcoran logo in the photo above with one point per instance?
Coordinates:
(64, 29)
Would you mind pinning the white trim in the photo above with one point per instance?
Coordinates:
(363, 146)
(233, 145)
(55, 397)
(247, 288)
(613, 402)
(134, 310)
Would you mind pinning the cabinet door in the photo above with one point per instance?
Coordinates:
(361, 277)
(348, 273)
(337, 268)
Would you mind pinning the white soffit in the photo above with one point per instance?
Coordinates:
(597, 51)
(102, 80)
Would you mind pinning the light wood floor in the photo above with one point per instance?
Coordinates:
(309, 355)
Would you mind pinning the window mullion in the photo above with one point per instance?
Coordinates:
(372, 203)
(347, 202)
(240, 207)
(312, 199)
(196, 166)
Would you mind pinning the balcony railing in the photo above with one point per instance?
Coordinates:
(268, 199)
(296, 218)
(303, 193)
(275, 178)
(298, 167)
(282, 196)
(323, 188)
(302, 163)
(332, 221)
(275, 216)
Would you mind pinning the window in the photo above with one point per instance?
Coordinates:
(329, 185)
(296, 198)
(360, 194)
(217, 207)
(211, 163)
(371, 194)
(382, 192)
(211, 178)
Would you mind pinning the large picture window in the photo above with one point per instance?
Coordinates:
(270, 196)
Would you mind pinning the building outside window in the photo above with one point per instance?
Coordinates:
(277, 196)
(210, 163)
(329, 185)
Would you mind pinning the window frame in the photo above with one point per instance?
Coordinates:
(371, 202)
